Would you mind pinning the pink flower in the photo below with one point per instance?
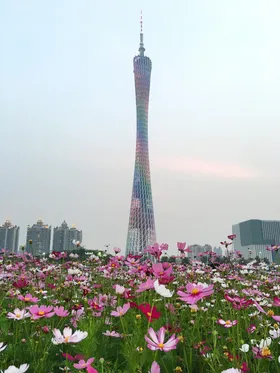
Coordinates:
(68, 336)
(156, 342)
(112, 334)
(41, 312)
(117, 250)
(28, 298)
(181, 246)
(121, 310)
(76, 315)
(227, 324)
(18, 314)
(60, 311)
(149, 284)
(82, 364)
(155, 368)
(162, 270)
(195, 292)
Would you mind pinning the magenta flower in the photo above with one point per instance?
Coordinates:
(276, 301)
(156, 342)
(195, 292)
(121, 310)
(41, 312)
(227, 324)
(155, 368)
(28, 298)
(82, 364)
(60, 311)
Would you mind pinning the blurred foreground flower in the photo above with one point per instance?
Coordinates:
(12, 369)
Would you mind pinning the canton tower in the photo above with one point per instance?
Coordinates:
(141, 227)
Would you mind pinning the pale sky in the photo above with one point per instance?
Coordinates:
(68, 118)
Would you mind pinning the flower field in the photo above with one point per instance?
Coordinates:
(111, 314)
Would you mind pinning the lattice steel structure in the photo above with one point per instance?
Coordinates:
(141, 228)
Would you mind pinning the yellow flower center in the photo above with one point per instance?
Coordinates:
(275, 326)
(138, 317)
(195, 291)
(67, 339)
(18, 315)
(228, 322)
(178, 370)
(265, 351)
(270, 313)
(160, 345)
(149, 314)
(41, 313)
(27, 299)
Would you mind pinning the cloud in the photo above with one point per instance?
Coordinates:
(196, 166)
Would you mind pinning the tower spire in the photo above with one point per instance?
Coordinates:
(141, 48)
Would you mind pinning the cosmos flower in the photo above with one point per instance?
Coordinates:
(150, 312)
(13, 369)
(156, 340)
(18, 314)
(162, 290)
(121, 310)
(195, 292)
(2, 346)
(155, 368)
(60, 311)
(28, 298)
(68, 336)
(227, 324)
(112, 334)
(82, 364)
(39, 312)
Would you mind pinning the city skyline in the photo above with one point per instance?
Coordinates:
(141, 226)
(68, 115)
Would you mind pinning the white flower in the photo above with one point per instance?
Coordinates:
(74, 271)
(274, 333)
(231, 370)
(12, 369)
(67, 336)
(265, 343)
(2, 346)
(120, 289)
(245, 348)
(162, 290)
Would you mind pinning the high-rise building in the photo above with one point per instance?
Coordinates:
(75, 235)
(9, 235)
(38, 238)
(61, 237)
(141, 227)
(254, 236)
(218, 251)
(64, 238)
